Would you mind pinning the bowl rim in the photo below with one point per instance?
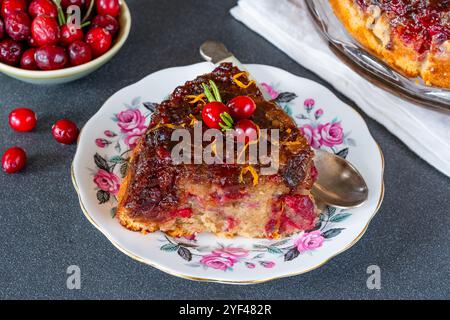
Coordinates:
(124, 32)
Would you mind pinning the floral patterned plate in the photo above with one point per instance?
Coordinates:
(100, 164)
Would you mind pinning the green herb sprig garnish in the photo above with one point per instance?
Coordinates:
(215, 95)
(228, 121)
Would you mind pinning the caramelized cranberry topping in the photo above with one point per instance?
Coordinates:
(299, 213)
(419, 23)
(153, 191)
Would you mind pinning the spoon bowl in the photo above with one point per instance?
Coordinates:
(339, 183)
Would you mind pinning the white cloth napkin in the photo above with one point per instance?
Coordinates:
(288, 26)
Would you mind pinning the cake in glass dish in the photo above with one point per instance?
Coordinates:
(225, 199)
(412, 36)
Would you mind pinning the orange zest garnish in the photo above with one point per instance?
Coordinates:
(253, 172)
(250, 142)
(196, 98)
(159, 125)
(245, 148)
(193, 120)
(291, 143)
(241, 84)
(214, 147)
(155, 127)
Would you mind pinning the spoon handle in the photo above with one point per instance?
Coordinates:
(216, 52)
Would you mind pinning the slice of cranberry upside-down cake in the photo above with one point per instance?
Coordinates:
(228, 199)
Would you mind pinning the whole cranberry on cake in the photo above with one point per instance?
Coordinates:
(410, 35)
(225, 199)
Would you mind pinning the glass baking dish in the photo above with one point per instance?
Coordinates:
(369, 66)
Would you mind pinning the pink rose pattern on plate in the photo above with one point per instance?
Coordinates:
(282, 98)
(324, 135)
(107, 181)
(264, 254)
(222, 258)
(131, 123)
(309, 241)
(131, 120)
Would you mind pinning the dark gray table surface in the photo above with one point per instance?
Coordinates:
(43, 231)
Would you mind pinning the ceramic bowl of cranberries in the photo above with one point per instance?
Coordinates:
(58, 41)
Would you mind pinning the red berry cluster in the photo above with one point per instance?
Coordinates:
(24, 120)
(218, 115)
(35, 34)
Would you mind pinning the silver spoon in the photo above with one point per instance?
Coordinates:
(339, 184)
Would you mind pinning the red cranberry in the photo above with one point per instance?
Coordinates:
(79, 53)
(22, 119)
(70, 33)
(51, 57)
(242, 107)
(314, 173)
(10, 6)
(2, 29)
(246, 131)
(10, 52)
(18, 26)
(42, 8)
(100, 41)
(65, 131)
(302, 205)
(107, 22)
(110, 7)
(27, 61)
(67, 3)
(14, 160)
(45, 30)
(32, 42)
(213, 114)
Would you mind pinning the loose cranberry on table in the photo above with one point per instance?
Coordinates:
(10, 52)
(45, 30)
(10, 6)
(17, 26)
(100, 41)
(22, 119)
(42, 8)
(110, 7)
(246, 131)
(51, 57)
(107, 22)
(65, 131)
(79, 53)
(70, 34)
(14, 160)
(242, 107)
(27, 61)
